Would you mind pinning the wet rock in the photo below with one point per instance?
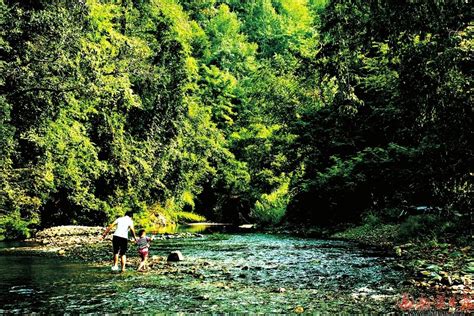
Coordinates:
(175, 256)
(364, 290)
(299, 309)
(383, 297)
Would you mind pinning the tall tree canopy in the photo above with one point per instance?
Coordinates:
(266, 110)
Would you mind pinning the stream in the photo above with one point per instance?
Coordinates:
(246, 272)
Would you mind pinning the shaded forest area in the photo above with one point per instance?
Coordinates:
(319, 112)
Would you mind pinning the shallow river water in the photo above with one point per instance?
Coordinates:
(221, 273)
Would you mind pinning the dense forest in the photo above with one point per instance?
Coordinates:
(264, 111)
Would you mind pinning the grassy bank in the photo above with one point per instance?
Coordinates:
(384, 235)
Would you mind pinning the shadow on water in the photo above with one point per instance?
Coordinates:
(14, 244)
(221, 273)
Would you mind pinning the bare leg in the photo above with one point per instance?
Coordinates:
(123, 260)
(142, 264)
(116, 260)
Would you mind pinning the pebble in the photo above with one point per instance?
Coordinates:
(299, 309)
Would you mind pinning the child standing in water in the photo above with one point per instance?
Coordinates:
(143, 244)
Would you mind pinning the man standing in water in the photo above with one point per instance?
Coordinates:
(120, 238)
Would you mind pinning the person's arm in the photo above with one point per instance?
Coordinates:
(133, 231)
(107, 230)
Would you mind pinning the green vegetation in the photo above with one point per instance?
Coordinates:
(262, 111)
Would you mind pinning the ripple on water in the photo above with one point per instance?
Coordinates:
(238, 273)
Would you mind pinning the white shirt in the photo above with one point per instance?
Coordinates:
(123, 224)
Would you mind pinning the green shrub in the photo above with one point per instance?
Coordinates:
(391, 214)
(271, 208)
(420, 227)
(186, 217)
(371, 220)
(370, 233)
(13, 226)
(158, 215)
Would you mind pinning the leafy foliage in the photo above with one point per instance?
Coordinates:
(308, 110)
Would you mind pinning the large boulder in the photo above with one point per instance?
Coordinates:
(175, 256)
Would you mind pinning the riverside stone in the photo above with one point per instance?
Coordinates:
(175, 256)
(69, 230)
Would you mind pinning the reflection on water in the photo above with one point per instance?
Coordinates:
(14, 244)
(207, 228)
(30, 284)
(172, 229)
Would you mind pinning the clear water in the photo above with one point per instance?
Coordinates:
(221, 273)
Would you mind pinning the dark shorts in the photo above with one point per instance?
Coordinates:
(120, 245)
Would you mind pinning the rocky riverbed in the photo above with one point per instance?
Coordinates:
(317, 274)
(254, 272)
